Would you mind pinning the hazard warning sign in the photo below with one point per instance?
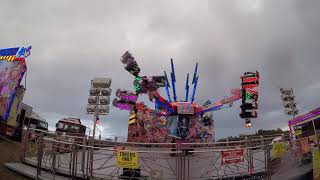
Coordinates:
(232, 156)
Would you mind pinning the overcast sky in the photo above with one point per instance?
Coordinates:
(74, 41)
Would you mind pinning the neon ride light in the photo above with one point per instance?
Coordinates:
(132, 98)
(250, 86)
(249, 95)
(124, 106)
(137, 83)
(250, 79)
(300, 119)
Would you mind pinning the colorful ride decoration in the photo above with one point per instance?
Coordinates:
(249, 91)
(171, 120)
(12, 69)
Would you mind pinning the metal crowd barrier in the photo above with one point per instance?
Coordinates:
(86, 158)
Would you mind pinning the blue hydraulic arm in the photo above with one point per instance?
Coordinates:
(187, 88)
(164, 105)
(173, 81)
(194, 82)
(167, 86)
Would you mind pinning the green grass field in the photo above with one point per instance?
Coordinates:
(9, 152)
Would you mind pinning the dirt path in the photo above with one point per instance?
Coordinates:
(9, 152)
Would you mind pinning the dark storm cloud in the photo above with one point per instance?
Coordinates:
(75, 41)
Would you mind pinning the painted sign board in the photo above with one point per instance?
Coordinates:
(12, 69)
(316, 163)
(232, 156)
(127, 159)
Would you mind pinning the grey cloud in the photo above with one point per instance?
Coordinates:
(74, 41)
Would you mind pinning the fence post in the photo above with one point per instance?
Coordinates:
(23, 144)
(188, 167)
(246, 141)
(54, 151)
(268, 162)
(71, 155)
(265, 149)
(74, 160)
(178, 158)
(250, 156)
(83, 159)
(88, 158)
(91, 142)
(40, 154)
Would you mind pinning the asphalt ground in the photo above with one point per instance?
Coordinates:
(9, 152)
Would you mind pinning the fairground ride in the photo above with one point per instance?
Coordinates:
(173, 120)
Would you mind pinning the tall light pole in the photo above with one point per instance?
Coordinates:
(99, 99)
(290, 107)
(288, 99)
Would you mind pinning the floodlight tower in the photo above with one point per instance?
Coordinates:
(99, 99)
(288, 100)
(290, 107)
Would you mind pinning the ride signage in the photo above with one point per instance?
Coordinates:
(127, 159)
(11, 54)
(232, 156)
(279, 150)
